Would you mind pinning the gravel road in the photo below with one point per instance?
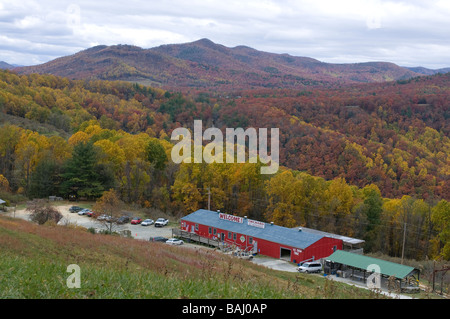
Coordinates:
(137, 231)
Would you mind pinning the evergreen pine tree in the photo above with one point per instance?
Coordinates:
(45, 179)
(81, 175)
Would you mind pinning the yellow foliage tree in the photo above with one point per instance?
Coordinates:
(4, 184)
(339, 197)
(286, 196)
(111, 154)
(78, 137)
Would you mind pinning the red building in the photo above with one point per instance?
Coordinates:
(266, 239)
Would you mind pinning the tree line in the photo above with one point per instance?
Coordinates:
(394, 134)
(138, 166)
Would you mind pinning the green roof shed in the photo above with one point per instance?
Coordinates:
(367, 263)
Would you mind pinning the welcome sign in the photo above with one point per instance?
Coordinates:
(231, 218)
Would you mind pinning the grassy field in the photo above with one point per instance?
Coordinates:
(34, 261)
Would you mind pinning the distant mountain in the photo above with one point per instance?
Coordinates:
(204, 63)
(6, 66)
(426, 71)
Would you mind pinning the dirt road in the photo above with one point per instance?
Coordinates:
(137, 231)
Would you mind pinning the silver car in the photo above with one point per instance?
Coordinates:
(147, 222)
(84, 211)
(174, 241)
(310, 267)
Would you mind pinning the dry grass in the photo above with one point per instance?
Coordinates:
(35, 258)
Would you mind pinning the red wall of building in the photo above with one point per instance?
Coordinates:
(203, 231)
(324, 247)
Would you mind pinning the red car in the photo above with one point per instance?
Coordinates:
(136, 220)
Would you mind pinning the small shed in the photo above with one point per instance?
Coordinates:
(359, 267)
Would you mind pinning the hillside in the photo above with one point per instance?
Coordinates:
(35, 259)
(204, 64)
(427, 71)
(394, 134)
(6, 66)
(350, 158)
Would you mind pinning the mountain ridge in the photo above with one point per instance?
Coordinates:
(427, 71)
(6, 66)
(204, 64)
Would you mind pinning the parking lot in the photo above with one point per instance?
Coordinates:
(137, 231)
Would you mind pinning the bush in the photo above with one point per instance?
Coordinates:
(42, 212)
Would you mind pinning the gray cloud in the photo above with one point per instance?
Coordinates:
(409, 33)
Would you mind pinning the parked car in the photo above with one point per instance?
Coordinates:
(84, 211)
(110, 219)
(75, 209)
(136, 220)
(102, 217)
(158, 238)
(123, 220)
(147, 222)
(161, 222)
(310, 267)
(174, 241)
(90, 214)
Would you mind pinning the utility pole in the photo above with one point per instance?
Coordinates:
(209, 198)
(404, 239)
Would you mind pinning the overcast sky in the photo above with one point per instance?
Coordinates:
(408, 33)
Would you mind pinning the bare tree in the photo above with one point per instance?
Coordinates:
(108, 207)
(42, 212)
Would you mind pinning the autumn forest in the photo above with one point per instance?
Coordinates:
(357, 159)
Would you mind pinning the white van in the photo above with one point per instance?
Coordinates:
(310, 267)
